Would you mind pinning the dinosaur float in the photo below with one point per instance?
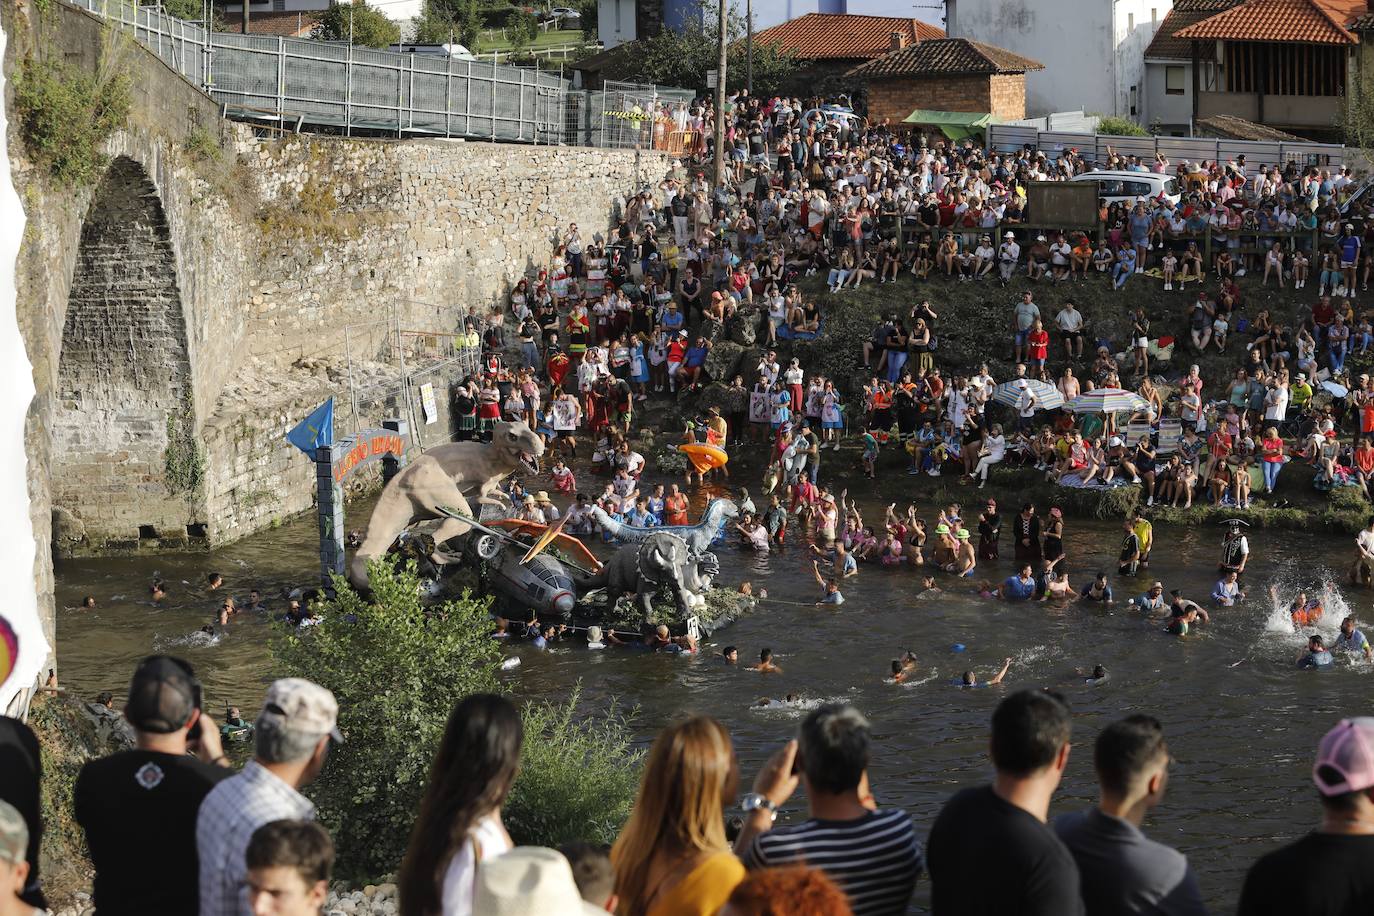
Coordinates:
(451, 476)
(699, 537)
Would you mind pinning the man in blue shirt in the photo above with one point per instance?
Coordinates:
(831, 586)
(1352, 640)
(1020, 587)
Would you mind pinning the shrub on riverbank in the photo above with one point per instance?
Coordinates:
(397, 669)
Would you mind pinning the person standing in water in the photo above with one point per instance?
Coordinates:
(1352, 640)
(1235, 549)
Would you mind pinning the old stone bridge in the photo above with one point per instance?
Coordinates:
(190, 306)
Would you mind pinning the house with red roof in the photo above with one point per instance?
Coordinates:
(829, 45)
(1285, 64)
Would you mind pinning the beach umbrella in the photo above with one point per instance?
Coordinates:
(1108, 400)
(1047, 397)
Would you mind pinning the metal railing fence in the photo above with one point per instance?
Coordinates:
(344, 87)
(1011, 137)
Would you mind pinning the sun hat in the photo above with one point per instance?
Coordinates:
(593, 634)
(529, 499)
(962, 534)
(942, 529)
(542, 496)
(529, 881)
(1345, 758)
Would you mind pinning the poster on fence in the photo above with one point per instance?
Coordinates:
(760, 407)
(428, 405)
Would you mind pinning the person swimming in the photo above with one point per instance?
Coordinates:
(730, 655)
(898, 672)
(970, 680)
(765, 664)
(1315, 655)
(1097, 590)
(1303, 611)
(1183, 614)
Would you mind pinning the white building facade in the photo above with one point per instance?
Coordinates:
(1093, 50)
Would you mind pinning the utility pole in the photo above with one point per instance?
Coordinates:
(718, 174)
(749, 46)
(245, 17)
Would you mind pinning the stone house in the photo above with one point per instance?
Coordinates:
(827, 46)
(945, 74)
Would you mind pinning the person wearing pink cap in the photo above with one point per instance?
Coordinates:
(1331, 870)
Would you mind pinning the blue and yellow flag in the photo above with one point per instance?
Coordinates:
(315, 430)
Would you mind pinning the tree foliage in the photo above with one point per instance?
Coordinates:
(367, 25)
(1357, 115)
(683, 58)
(1120, 127)
(460, 20)
(397, 669)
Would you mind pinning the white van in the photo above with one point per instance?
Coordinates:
(1128, 187)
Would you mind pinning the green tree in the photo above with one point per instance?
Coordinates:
(522, 29)
(367, 25)
(1120, 127)
(683, 58)
(397, 669)
(446, 20)
(1357, 115)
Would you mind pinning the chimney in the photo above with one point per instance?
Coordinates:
(897, 40)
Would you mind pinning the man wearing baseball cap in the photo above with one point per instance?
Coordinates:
(138, 807)
(291, 740)
(1331, 870)
(14, 864)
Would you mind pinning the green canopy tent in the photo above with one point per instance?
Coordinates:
(956, 125)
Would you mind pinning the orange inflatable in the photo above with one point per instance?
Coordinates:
(704, 457)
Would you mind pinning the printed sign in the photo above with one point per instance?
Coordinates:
(428, 405)
(364, 447)
(760, 407)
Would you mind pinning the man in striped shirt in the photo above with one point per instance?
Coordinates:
(871, 852)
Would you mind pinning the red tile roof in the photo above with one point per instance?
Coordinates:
(1166, 46)
(1305, 21)
(945, 56)
(830, 36)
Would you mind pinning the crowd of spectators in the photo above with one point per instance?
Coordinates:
(172, 828)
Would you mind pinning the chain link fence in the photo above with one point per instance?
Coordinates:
(631, 116)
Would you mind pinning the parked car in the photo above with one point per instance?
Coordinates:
(1128, 187)
(455, 51)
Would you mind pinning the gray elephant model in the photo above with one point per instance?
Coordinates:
(660, 559)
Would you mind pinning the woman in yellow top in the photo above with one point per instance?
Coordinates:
(672, 859)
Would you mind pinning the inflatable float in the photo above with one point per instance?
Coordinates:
(704, 457)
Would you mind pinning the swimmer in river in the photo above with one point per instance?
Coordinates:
(1098, 676)
(594, 638)
(158, 590)
(1152, 602)
(1097, 590)
(965, 556)
(88, 602)
(254, 601)
(970, 680)
(1058, 588)
(1020, 587)
(1352, 640)
(1183, 614)
(1315, 654)
(928, 585)
(831, 586)
(765, 664)
(909, 661)
(842, 562)
(214, 581)
(1227, 591)
(730, 655)
(1303, 611)
(898, 675)
(746, 588)
(788, 700)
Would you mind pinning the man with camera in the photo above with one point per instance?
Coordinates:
(138, 807)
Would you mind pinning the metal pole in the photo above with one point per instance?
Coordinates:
(281, 79)
(400, 96)
(348, 86)
(749, 46)
(352, 384)
(718, 171)
(448, 94)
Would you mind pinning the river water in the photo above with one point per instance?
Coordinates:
(1242, 722)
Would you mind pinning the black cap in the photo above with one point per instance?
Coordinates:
(162, 695)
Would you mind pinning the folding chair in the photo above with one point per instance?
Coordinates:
(1170, 434)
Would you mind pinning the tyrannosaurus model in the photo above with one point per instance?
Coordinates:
(447, 475)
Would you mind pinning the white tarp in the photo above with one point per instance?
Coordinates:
(20, 608)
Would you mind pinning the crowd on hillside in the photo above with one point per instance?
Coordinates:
(173, 828)
(616, 319)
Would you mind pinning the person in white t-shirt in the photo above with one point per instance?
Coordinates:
(1363, 573)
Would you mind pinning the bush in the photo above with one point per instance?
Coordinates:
(578, 776)
(397, 669)
(1120, 127)
(364, 25)
(65, 116)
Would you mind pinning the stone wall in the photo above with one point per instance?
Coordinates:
(1003, 95)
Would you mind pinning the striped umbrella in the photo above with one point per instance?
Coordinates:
(1047, 397)
(1108, 400)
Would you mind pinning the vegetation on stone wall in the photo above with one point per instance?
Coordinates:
(184, 458)
(201, 145)
(397, 669)
(65, 116)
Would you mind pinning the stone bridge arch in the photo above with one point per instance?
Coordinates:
(126, 463)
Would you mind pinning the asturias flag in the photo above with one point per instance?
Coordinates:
(315, 430)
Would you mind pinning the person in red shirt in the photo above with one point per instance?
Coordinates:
(675, 507)
(1039, 344)
(1363, 461)
(677, 352)
(1219, 446)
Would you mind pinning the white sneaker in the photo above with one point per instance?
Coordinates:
(1150, 501)
(1168, 287)
(934, 472)
(982, 483)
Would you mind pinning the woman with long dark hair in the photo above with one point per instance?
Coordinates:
(459, 823)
